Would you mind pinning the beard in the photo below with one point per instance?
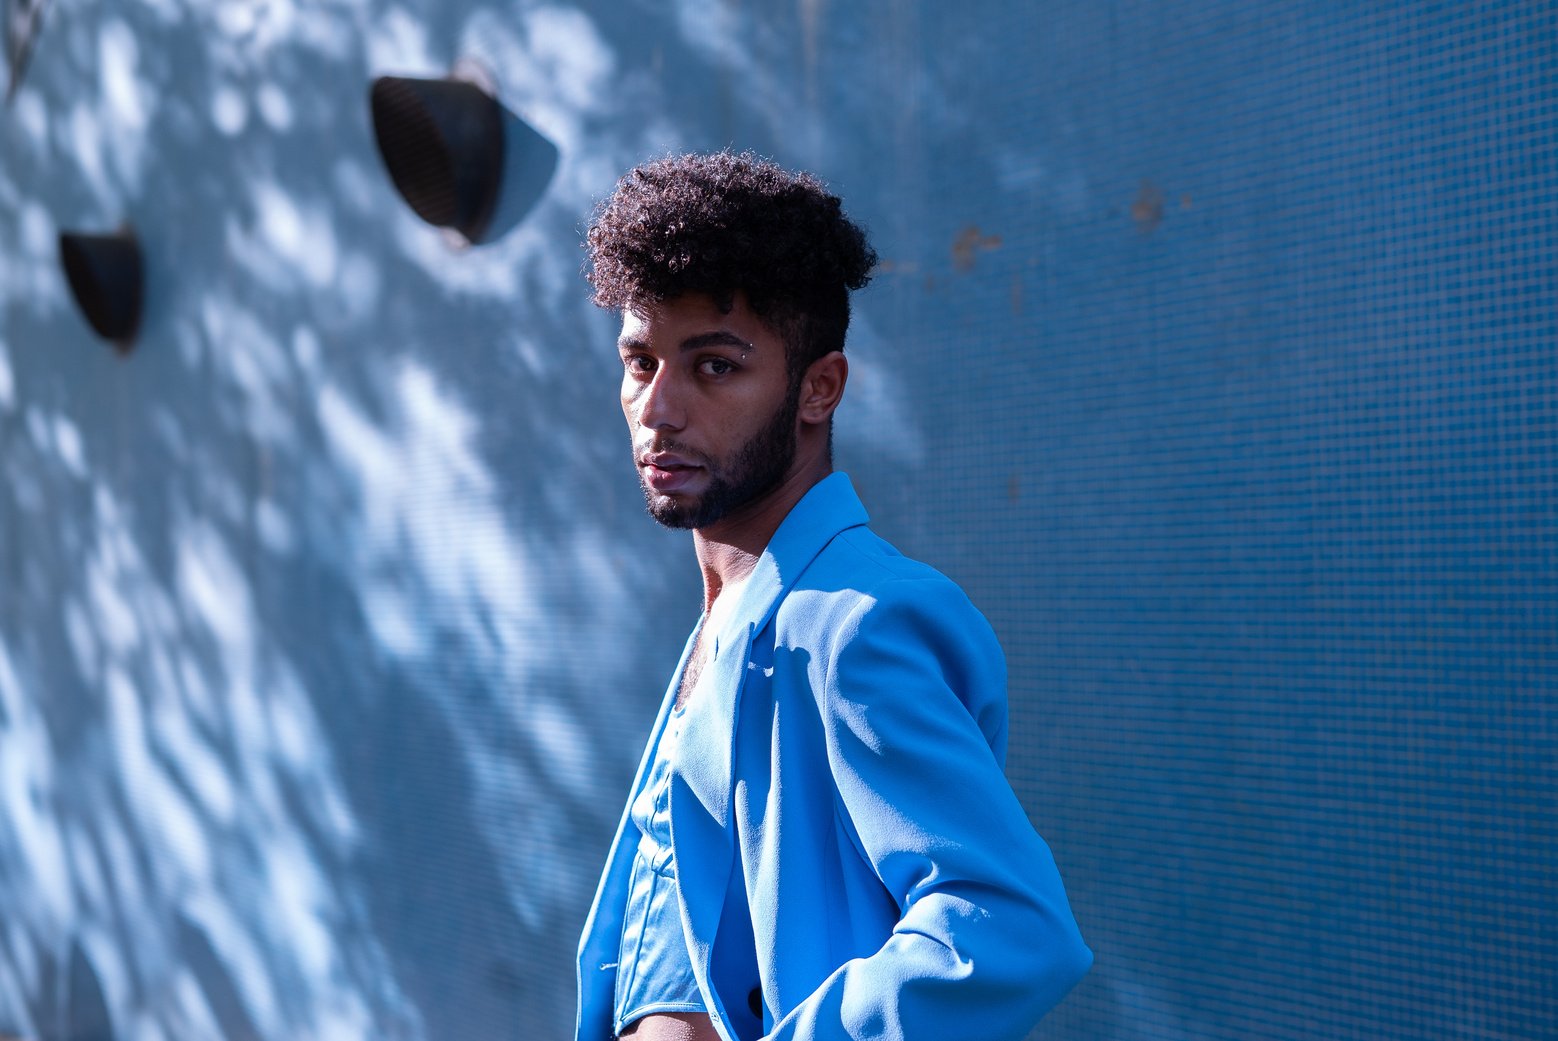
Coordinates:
(752, 471)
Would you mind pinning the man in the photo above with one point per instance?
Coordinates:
(819, 843)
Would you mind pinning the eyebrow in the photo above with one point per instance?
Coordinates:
(717, 338)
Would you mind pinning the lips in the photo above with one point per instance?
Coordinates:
(668, 474)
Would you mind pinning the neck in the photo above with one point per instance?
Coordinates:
(728, 549)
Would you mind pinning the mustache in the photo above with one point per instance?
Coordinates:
(668, 446)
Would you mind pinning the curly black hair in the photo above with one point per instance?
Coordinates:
(723, 223)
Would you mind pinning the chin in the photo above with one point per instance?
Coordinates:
(670, 511)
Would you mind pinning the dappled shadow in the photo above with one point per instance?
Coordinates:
(325, 653)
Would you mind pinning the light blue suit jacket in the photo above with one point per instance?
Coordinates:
(851, 861)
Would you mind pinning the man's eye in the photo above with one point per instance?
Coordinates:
(638, 363)
(717, 366)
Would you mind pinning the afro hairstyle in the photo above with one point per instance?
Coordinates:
(723, 223)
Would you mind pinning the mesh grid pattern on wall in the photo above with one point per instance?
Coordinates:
(1277, 453)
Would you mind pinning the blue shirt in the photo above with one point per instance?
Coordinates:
(654, 972)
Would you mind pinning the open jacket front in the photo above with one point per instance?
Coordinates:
(850, 859)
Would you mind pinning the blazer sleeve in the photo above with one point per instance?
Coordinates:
(985, 944)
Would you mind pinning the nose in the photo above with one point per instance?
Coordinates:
(657, 403)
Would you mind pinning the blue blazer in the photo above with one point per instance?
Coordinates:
(851, 861)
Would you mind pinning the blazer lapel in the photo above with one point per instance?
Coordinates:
(703, 841)
(701, 772)
(703, 759)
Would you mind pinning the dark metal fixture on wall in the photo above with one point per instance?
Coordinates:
(106, 277)
(459, 158)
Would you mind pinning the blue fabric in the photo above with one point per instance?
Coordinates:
(654, 973)
(851, 861)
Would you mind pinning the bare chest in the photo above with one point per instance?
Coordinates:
(692, 671)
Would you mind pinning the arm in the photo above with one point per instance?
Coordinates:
(985, 943)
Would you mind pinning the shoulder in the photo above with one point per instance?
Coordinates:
(858, 571)
(890, 638)
(862, 588)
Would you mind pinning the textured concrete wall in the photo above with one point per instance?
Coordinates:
(1212, 350)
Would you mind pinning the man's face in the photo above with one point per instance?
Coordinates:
(709, 406)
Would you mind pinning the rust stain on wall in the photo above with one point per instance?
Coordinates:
(968, 243)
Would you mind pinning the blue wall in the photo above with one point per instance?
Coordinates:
(1213, 351)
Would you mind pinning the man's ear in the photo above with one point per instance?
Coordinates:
(822, 387)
